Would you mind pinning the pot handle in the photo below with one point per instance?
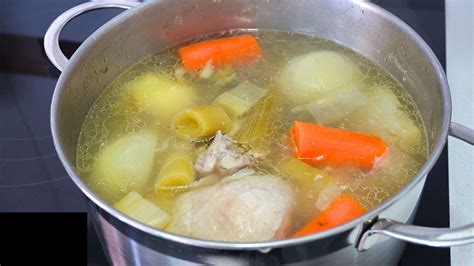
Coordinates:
(435, 237)
(51, 38)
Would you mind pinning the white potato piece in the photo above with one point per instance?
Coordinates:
(135, 206)
(124, 165)
(239, 208)
(383, 116)
(309, 76)
(160, 96)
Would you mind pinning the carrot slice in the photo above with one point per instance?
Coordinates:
(319, 145)
(237, 49)
(341, 210)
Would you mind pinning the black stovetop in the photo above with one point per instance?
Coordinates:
(33, 180)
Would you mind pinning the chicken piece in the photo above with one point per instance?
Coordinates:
(238, 209)
(221, 155)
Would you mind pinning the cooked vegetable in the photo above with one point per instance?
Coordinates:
(160, 96)
(176, 172)
(319, 145)
(327, 194)
(341, 210)
(179, 73)
(335, 105)
(241, 99)
(135, 206)
(231, 50)
(223, 76)
(201, 122)
(313, 181)
(124, 165)
(255, 128)
(384, 116)
(207, 70)
(307, 77)
(305, 175)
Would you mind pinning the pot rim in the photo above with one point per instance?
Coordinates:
(435, 153)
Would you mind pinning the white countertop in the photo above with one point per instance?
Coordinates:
(460, 70)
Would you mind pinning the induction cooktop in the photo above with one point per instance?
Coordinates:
(32, 178)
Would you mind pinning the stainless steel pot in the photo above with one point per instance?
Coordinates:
(373, 239)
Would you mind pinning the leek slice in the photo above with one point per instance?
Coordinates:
(305, 175)
(312, 181)
(176, 172)
(241, 99)
(201, 122)
(135, 206)
(223, 76)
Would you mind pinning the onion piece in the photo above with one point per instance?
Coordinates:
(207, 71)
(327, 195)
(334, 106)
(179, 73)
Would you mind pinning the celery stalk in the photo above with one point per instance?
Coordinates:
(241, 99)
(135, 206)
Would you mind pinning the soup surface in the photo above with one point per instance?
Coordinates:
(272, 139)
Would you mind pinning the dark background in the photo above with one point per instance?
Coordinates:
(427, 18)
(31, 176)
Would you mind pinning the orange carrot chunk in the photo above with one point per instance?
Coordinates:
(231, 50)
(324, 146)
(341, 210)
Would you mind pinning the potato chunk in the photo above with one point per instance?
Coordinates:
(124, 165)
(160, 96)
(384, 117)
(306, 77)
